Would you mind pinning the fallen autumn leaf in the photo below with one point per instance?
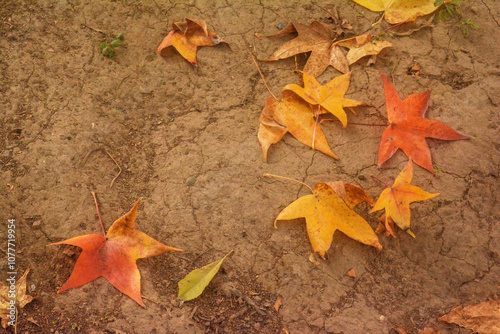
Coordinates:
(408, 128)
(113, 256)
(187, 37)
(396, 200)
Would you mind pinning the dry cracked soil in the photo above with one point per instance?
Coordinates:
(184, 140)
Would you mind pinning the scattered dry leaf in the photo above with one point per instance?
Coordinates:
(396, 200)
(313, 260)
(351, 273)
(316, 38)
(362, 46)
(278, 303)
(113, 257)
(325, 212)
(187, 37)
(12, 299)
(483, 318)
(428, 330)
(408, 128)
(397, 11)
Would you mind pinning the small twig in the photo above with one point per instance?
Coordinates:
(193, 312)
(152, 301)
(262, 76)
(111, 157)
(95, 29)
(335, 16)
(288, 179)
(99, 214)
(238, 314)
(379, 180)
(315, 125)
(392, 27)
(119, 168)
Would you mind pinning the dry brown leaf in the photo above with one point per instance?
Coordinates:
(351, 273)
(313, 260)
(278, 303)
(428, 330)
(483, 318)
(362, 46)
(316, 38)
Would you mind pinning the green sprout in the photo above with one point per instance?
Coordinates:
(108, 49)
(451, 10)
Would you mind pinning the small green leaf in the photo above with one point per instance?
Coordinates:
(465, 31)
(438, 3)
(116, 43)
(105, 51)
(111, 53)
(450, 10)
(120, 36)
(197, 280)
(442, 14)
(102, 46)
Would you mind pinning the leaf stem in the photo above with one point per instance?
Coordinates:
(365, 124)
(262, 76)
(379, 180)
(98, 213)
(288, 179)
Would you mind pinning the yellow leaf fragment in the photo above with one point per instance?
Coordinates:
(397, 11)
(396, 200)
(325, 212)
(12, 299)
(362, 46)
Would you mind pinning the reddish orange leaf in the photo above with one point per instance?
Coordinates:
(187, 37)
(408, 128)
(396, 200)
(113, 257)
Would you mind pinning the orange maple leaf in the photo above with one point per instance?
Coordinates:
(187, 37)
(113, 256)
(396, 200)
(408, 128)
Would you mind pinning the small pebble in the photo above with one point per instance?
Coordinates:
(191, 181)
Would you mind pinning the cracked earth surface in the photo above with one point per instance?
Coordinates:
(186, 143)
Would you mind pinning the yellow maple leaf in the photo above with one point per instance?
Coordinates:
(396, 200)
(397, 11)
(330, 96)
(326, 211)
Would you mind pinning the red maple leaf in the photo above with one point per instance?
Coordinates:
(113, 257)
(408, 127)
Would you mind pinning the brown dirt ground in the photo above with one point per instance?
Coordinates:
(186, 141)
